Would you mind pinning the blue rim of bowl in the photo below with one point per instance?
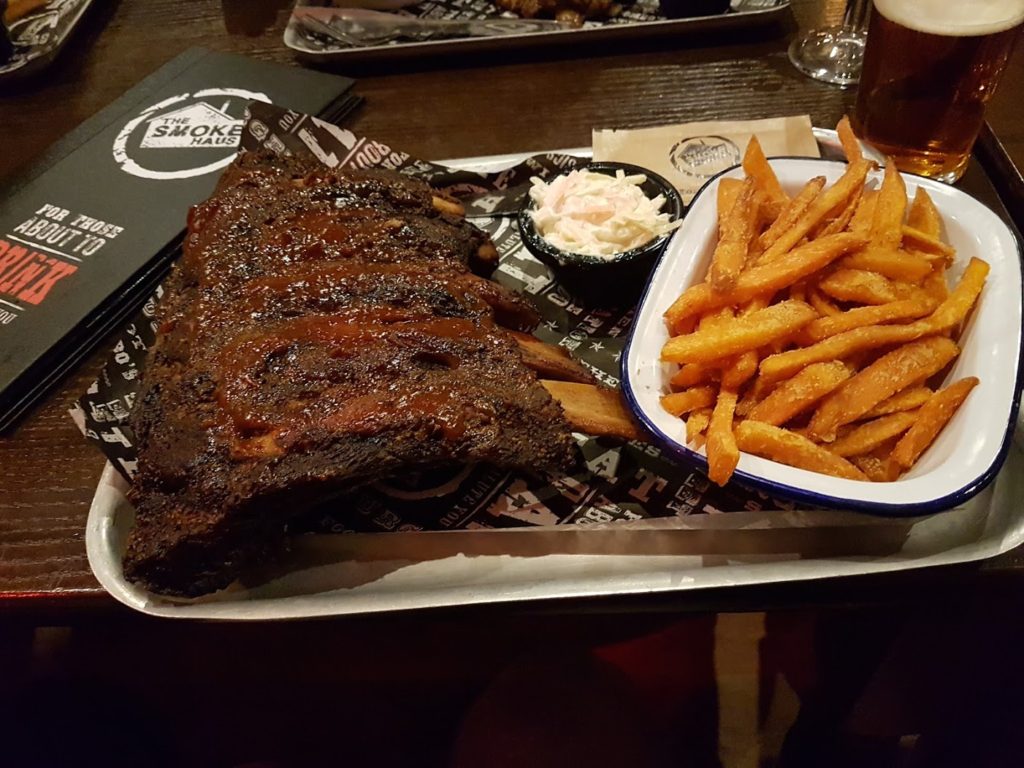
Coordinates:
(774, 488)
(534, 242)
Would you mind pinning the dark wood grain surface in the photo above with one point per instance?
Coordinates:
(434, 109)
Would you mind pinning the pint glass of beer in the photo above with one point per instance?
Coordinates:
(929, 69)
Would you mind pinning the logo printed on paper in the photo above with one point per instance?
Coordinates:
(702, 157)
(184, 136)
(258, 129)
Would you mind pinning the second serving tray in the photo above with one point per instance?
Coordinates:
(637, 21)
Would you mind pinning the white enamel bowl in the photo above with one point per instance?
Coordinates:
(972, 447)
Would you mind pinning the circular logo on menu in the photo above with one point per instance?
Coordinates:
(701, 157)
(183, 136)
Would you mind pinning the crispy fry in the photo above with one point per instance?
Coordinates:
(755, 250)
(860, 224)
(741, 370)
(594, 410)
(957, 306)
(745, 405)
(787, 447)
(839, 347)
(905, 309)
(892, 470)
(841, 220)
(935, 259)
(821, 304)
(679, 403)
(875, 467)
(833, 197)
(923, 216)
(754, 305)
(792, 212)
(763, 279)
(907, 400)
(739, 335)
(851, 147)
(934, 285)
(736, 229)
(722, 453)
(883, 378)
(895, 265)
(932, 417)
(886, 226)
(858, 360)
(687, 325)
(859, 286)
(727, 192)
(692, 374)
(743, 367)
(799, 393)
(715, 319)
(756, 166)
(696, 423)
(865, 437)
(920, 241)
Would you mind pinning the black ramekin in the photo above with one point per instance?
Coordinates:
(594, 280)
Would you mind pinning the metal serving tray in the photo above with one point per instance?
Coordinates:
(638, 21)
(328, 575)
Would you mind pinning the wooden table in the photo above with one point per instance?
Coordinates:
(440, 109)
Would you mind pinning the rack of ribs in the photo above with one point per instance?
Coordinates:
(323, 330)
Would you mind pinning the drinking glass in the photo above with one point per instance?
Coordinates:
(930, 67)
(834, 54)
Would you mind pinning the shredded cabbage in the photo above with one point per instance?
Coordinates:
(596, 214)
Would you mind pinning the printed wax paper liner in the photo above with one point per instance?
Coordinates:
(621, 482)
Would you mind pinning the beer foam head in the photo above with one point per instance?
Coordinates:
(967, 18)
